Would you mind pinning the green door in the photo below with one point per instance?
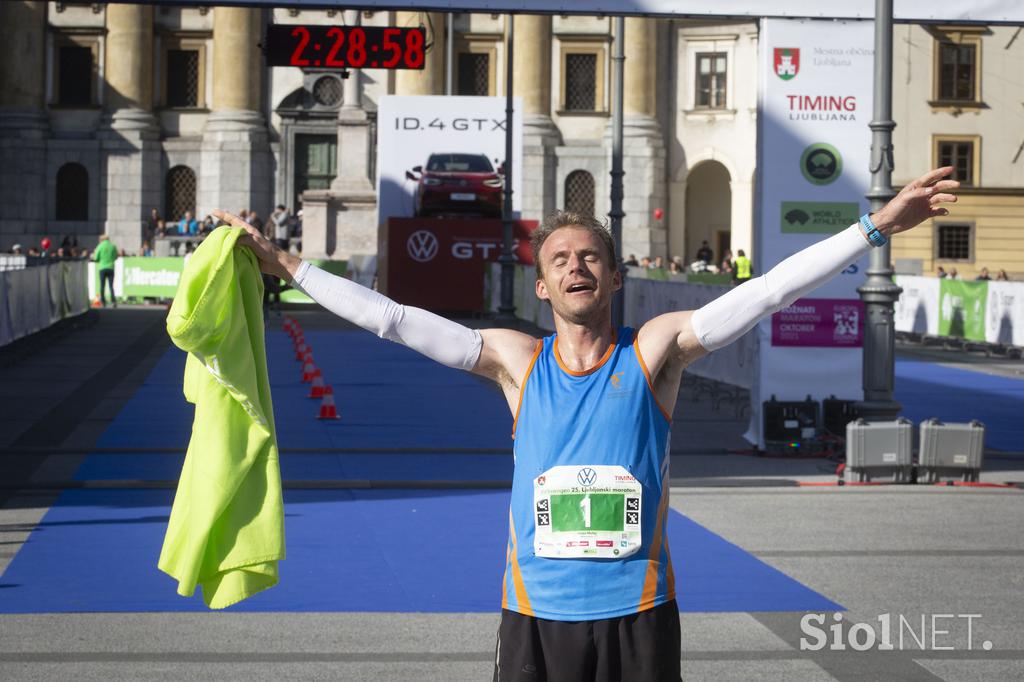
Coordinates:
(316, 158)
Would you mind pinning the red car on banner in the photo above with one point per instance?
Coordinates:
(439, 264)
(457, 184)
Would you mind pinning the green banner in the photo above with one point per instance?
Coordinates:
(962, 309)
(151, 277)
(817, 217)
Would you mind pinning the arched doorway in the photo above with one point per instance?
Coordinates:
(708, 209)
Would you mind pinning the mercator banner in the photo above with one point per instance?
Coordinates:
(815, 94)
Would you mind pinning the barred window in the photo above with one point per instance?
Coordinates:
(327, 91)
(954, 242)
(182, 78)
(72, 192)
(180, 192)
(474, 71)
(710, 80)
(74, 77)
(579, 192)
(957, 71)
(581, 82)
(960, 155)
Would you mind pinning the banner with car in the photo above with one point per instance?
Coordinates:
(815, 96)
(440, 183)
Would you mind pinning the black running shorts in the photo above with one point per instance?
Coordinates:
(642, 647)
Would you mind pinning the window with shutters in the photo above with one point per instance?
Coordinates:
(180, 193)
(75, 59)
(72, 200)
(183, 71)
(954, 241)
(710, 81)
(956, 71)
(579, 193)
(582, 76)
(474, 74)
(962, 154)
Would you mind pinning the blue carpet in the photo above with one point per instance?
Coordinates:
(956, 395)
(383, 551)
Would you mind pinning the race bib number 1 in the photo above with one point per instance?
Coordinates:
(586, 512)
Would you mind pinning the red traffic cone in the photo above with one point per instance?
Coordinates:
(327, 408)
(287, 326)
(317, 389)
(308, 371)
(307, 356)
(300, 351)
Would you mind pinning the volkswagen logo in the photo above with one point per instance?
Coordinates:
(421, 245)
(586, 476)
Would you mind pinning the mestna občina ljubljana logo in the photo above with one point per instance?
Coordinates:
(787, 62)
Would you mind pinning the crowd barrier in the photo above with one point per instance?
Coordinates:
(645, 299)
(985, 311)
(31, 299)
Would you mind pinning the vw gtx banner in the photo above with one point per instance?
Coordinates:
(440, 264)
(814, 149)
(445, 156)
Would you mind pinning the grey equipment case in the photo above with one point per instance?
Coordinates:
(879, 451)
(950, 450)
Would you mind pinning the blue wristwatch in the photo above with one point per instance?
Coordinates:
(874, 236)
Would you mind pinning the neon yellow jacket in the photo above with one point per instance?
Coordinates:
(226, 531)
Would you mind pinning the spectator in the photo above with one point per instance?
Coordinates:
(32, 251)
(673, 267)
(154, 226)
(255, 221)
(705, 253)
(188, 224)
(147, 250)
(1001, 276)
(281, 220)
(16, 249)
(631, 260)
(209, 225)
(940, 272)
(105, 255)
(953, 274)
(645, 263)
(659, 263)
(726, 267)
(983, 275)
(741, 269)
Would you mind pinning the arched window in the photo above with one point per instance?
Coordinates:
(72, 192)
(180, 191)
(579, 192)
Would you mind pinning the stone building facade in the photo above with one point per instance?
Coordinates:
(110, 110)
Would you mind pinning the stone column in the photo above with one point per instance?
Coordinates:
(129, 136)
(342, 221)
(236, 170)
(429, 81)
(643, 143)
(532, 81)
(23, 122)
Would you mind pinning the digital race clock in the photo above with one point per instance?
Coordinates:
(344, 47)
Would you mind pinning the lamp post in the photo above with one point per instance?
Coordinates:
(507, 309)
(616, 214)
(879, 292)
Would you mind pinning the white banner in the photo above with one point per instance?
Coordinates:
(813, 156)
(1004, 319)
(917, 309)
(412, 128)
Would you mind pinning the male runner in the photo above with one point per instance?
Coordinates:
(589, 590)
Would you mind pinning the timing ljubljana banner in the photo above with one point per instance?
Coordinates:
(814, 149)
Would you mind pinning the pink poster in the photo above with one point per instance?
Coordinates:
(821, 323)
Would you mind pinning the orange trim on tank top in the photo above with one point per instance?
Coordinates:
(522, 598)
(647, 375)
(522, 384)
(600, 363)
(651, 579)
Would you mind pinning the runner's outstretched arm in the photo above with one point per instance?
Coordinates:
(692, 334)
(495, 353)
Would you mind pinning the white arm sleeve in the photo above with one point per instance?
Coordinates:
(439, 339)
(733, 314)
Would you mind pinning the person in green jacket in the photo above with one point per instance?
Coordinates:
(105, 255)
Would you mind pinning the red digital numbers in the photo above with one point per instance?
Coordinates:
(340, 47)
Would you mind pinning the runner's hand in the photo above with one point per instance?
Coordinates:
(273, 260)
(917, 202)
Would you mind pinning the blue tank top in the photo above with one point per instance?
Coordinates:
(578, 428)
